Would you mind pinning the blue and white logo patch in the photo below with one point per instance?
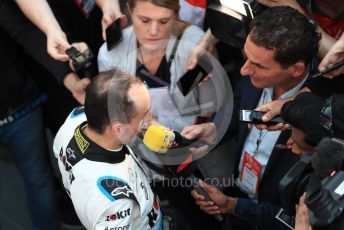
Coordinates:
(115, 188)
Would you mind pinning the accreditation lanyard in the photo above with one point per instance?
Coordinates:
(251, 168)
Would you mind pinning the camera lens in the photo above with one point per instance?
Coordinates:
(322, 207)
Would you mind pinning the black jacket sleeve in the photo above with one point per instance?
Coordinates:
(30, 38)
(325, 87)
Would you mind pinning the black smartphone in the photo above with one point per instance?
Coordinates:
(114, 34)
(255, 117)
(75, 55)
(80, 60)
(194, 76)
(285, 218)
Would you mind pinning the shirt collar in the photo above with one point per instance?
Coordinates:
(92, 151)
(269, 91)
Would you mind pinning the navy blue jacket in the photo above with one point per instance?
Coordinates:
(260, 215)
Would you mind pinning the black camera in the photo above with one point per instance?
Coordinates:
(229, 20)
(321, 176)
(83, 63)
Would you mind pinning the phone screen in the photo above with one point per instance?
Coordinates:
(114, 34)
(194, 76)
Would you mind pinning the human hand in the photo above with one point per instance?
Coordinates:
(205, 131)
(76, 86)
(57, 44)
(335, 55)
(302, 221)
(206, 44)
(291, 3)
(109, 17)
(82, 48)
(271, 109)
(219, 203)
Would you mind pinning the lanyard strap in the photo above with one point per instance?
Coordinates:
(262, 134)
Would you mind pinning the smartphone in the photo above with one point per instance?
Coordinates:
(287, 220)
(80, 60)
(75, 55)
(114, 34)
(194, 76)
(255, 117)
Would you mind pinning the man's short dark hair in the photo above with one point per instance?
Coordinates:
(303, 113)
(288, 32)
(107, 99)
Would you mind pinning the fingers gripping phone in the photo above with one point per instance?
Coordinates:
(255, 117)
(194, 76)
(114, 34)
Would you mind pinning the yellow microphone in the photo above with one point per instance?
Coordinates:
(160, 139)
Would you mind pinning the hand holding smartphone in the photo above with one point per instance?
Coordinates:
(114, 34)
(194, 76)
(255, 117)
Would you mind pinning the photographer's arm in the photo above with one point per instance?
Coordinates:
(273, 109)
(335, 54)
(32, 41)
(261, 215)
(302, 218)
(206, 44)
(76, 86)
(111, 10)
(40, 14)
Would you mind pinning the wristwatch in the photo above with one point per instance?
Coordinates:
(325, 116)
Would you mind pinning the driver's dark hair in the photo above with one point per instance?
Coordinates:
(288, 32)
(107, 99)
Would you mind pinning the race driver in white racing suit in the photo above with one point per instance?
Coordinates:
(108, 187)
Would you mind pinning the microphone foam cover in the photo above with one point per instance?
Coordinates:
(158, 138)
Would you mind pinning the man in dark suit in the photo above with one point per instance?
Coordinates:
(279, 51)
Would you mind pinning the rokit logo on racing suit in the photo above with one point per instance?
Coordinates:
(154, 213)
(119, 215)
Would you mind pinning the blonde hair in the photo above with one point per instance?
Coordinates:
(170, 4)
(179, 26)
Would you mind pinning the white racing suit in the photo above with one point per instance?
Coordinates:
(109, 189)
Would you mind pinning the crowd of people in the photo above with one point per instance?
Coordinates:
(109, 179)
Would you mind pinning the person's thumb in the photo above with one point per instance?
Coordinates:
(85, 82)
(192, 61)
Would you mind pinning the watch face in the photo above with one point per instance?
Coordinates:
(325, 116)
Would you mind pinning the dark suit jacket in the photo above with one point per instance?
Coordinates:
(260, 215)
(281, 160)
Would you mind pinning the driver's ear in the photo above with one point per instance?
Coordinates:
(116, 128)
